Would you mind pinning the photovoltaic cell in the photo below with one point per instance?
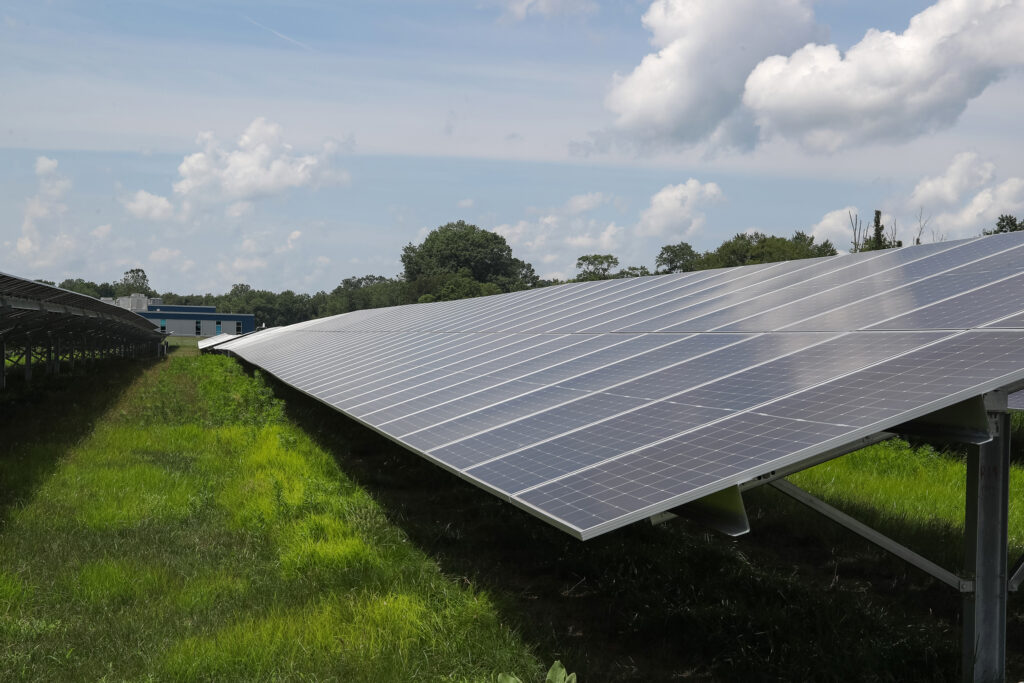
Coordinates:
(596, 404)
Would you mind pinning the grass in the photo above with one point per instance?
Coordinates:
(199, 522)
(190, 531)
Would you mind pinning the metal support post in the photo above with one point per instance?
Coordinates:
(984, 622)
(49, 355)
(56, 355)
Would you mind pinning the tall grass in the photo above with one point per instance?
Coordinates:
(195, 533)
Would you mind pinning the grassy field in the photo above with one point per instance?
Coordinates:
(195, 521)
(191, 532)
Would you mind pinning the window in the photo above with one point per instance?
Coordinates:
(199, 328)
(218, 327)
(238, 327)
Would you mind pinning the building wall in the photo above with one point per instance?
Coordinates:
(184, 326)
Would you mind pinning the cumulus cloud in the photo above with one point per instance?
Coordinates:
(607, 239)
(554, 239)
(101, 231)
(968, 197)
(889, 86)
(149, 206)
(520, 9)
(835, 227)
(290, 243)
(465, 204)
(42, 210)
(581, 203)
(238, 209)
(691, 89)
(674, 209)
(966, 172)
(261, 164)
(45, 166)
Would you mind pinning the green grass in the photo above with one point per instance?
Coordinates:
(193, 532)
(199, 522)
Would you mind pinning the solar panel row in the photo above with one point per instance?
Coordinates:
(599, 403)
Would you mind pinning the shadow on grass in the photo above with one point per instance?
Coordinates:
(41, 422)
(671, 602)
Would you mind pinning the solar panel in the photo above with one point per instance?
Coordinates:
(595, 404)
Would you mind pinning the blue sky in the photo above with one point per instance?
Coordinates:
(290, 145)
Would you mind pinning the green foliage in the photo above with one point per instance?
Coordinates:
(226, 546)
(742, 250)
(877, 239)
(463, 249)
(1006, 223)
(595, 267)
(677, 258)
(556, 674)
(633, 271)
(134, 281)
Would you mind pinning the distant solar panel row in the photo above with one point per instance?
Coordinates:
(596, 404)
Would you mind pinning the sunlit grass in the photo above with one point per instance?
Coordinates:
(893, 485)
(194, 533)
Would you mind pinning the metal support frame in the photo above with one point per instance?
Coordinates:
(985, 544)
(1016, 575)
(985, 582)
(876, 537)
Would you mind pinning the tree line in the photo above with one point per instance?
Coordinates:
(460, 260)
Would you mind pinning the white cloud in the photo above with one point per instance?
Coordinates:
(45, 165)
(982, 210)
(465, 204)
(581, 203)
(608, 239)
(966, 172)
(148, 206)
(290, 243)
(691, 89)
(674, 209)
(835, 227)
(243, 263)
(164, 254)
(238, 209)
(260, 165)
(967, 198)
(520, 9)
(889, 87)
(101, 231)
(42, 213)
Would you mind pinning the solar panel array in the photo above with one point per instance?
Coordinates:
(215, 340)
(595, 404)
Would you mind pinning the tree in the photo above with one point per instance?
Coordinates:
(134, 281)
(1006, 223)
(633, 271)
(595, 266)
(877, 239)
(460, 247)
(747, 248)
(677, 258)
(81, 286)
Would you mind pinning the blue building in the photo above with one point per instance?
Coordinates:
(187, 321)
